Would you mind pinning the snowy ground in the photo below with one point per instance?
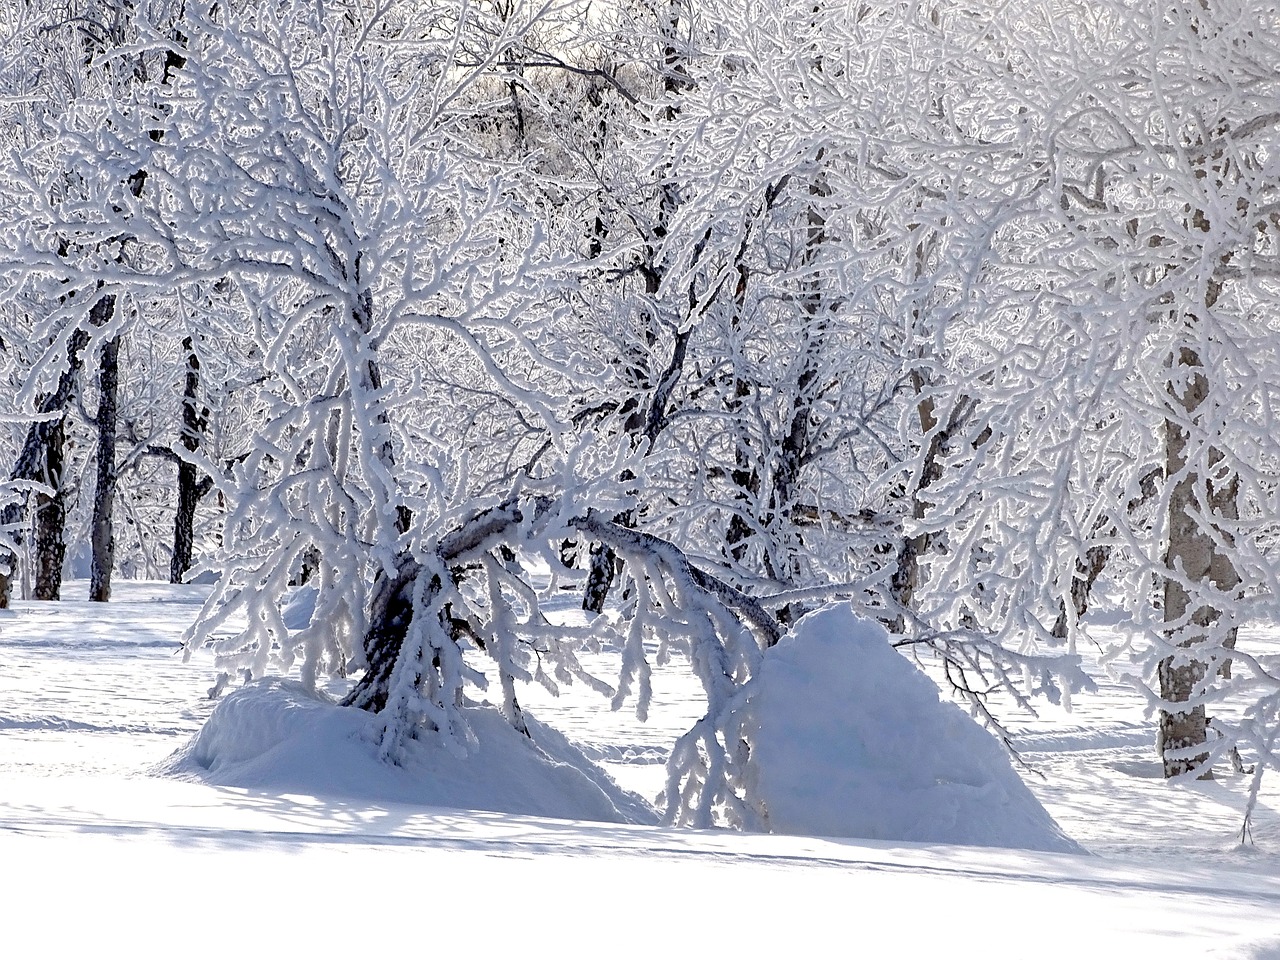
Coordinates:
(98, 853)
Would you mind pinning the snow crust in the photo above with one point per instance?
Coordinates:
(275, 735)
(849, 739)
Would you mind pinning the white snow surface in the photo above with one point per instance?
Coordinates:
(851, 740)
(275, 735)
(103, 858)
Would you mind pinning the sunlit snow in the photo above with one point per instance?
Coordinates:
(104, 855)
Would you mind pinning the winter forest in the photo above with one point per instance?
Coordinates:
(449, 356)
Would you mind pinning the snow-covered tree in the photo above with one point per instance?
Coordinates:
(713, 310)
(58, 259)
(1112, 363)
(794, 406)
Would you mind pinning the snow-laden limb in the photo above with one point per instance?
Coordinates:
(466, 596)
(461, 595)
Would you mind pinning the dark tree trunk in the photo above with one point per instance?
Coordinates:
(191, 486)
(184, 521)
(390, 614)
(102, 534)
(604, 561)
(8, 563)
(796, 443)
(1095, 560)
(906, 574)
(1087, 572)
(603, 571)
(31, 462)
(605, 564)
(309, 567)
(51, 518)
(744, 476)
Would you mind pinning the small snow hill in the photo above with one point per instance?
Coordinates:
(276, 736)
(850, 739)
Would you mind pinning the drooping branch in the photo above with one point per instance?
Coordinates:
(513, 523)
(627, 541)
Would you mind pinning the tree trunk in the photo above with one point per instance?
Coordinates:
(796, 442)
(51, 518)
(603, 571)
(1089, 567)
(1192, 614)
(195, 419)
(31, 462)
(744, 475)
(6, 576)
(906, 574)
(102, 534)
(184, 521)
(390, 614)
(1087, 571)
(1191, 618)
(605, 564)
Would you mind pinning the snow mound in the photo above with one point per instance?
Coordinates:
(299, 607)
(274, 735)
(849, 739)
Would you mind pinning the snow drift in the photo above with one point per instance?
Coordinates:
(849, 739)
(275, 735)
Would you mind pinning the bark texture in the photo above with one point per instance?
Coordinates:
(31, 462)
(191, 486)
(51, 518)
(1200, 570)
(101, 531)
(906, 575)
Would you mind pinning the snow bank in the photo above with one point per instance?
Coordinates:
(274, 735)
(849, 739)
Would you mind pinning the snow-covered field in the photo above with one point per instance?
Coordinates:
(101, 854)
